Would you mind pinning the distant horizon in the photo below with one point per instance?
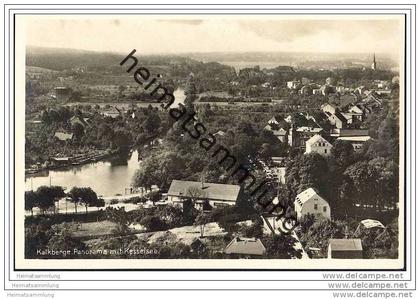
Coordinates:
(387, 55)
(175, 35)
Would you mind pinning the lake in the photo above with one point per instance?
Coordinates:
(107, 178)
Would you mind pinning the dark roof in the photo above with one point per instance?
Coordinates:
(247, 246)
(222, 192)
(284, 68)
(353, 132)
(340, 116)
(346, 244)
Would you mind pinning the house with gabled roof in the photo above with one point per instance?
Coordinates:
(310, 202)
(274, 121)
(318, 144)
(337, 119)
(327, 107)
(75, 119)
(201, 193)
(354, 113)
(245, 246)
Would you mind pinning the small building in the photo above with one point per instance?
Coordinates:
(61, 160)
(113, 112)
(384, 92)
(78, 120)
(219, 133)
(328, 108)
(337, 119)
(370, 224)
(297, 137)
(306, 90)
(62, 136)
(318, 144)
(305, 81)
(349, 132)
(356, 112)
(327, 89)
(345, 249)
(293, 84)
(274, 121)
(202, 193)
(279, 132)
(197, 246)
(245, 247)
(310, 202)
(316, 91)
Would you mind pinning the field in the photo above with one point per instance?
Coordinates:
(94, 229)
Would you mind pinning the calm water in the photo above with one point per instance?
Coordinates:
(106, 178)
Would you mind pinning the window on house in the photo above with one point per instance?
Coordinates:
(324, 209)
(315, 207)
(325, 151)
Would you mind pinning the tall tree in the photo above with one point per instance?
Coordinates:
(202, 219)
(83, 195)
(31, 201)
(48, 195)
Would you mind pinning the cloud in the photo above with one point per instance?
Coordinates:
(156, 34)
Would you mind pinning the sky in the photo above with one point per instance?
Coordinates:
(165, 34)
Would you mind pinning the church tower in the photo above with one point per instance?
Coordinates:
(373, 66)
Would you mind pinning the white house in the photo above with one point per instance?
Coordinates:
(273, 121)
(318, 144)
(328, 108)
(309, 202)
(293, 84)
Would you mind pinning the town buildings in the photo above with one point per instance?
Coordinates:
(373, 65)
(298, 136)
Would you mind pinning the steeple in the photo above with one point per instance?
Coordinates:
(373, 66)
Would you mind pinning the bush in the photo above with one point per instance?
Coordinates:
(135, 200)
(255, 230)
(153, 223)
(113, 201)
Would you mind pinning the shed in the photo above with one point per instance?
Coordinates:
(345, 249)
(245, 246)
